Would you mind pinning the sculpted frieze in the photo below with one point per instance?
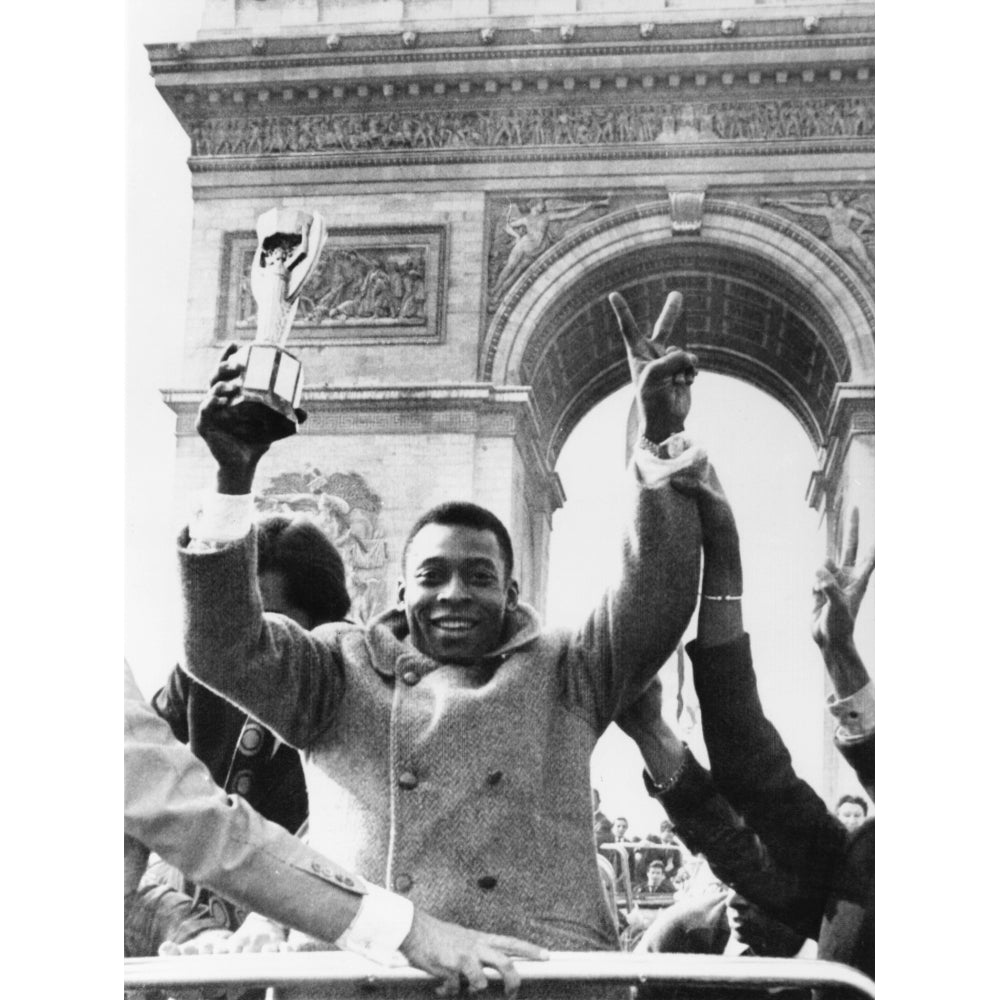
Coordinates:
(348, 510)
(368, 284)
(844, 220)
(553, 125)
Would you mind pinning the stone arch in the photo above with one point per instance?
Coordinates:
(766, 302)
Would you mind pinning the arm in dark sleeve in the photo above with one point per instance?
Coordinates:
(708, 825)
(860, 754)
(171, 702)
(752, 768)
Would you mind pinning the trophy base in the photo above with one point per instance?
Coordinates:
(272, 389)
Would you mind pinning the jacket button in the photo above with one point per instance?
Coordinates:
(407, 780)
(320, 869)
(411, 677)
(402, 883)
(493, 778)
(487, 882)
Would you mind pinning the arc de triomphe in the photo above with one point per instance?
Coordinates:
(488, 176)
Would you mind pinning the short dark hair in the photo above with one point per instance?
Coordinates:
(655, 862)
(312, 568)
(467, 515)
(855, 800)
(622, 818)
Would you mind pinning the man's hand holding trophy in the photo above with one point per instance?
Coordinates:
(257, 388)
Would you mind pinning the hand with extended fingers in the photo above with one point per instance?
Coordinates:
(459, 956)
(236, 444)
(662, 373)
(839, 591)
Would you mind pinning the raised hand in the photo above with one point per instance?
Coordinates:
(236, 443)
(662, 373)
(459, 956)
(662, 751)
(838, 591)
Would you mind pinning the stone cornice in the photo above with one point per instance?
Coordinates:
(318, 47)
(462, 407)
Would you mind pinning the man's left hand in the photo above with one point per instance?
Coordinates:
(662, 374)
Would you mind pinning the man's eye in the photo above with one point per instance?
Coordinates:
(483, 579)
(430, 577)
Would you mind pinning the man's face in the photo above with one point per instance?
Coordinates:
(455, 592)
(619, 827)
(654, 873)
(851, 815)
(274, 594)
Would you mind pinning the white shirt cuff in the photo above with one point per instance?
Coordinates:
(382, 922)
(685, 456)
(855, 713)
(221, 519)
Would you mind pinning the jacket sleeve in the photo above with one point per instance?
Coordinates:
(709, 825)
(753, 770)
(266, 664)
(170, 703)
(169, 794)
(860, 754)
(642, 615)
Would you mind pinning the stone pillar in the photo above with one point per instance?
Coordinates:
(844, 491)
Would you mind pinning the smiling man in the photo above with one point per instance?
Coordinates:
(447, 743)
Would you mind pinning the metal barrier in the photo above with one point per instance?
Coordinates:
(350, 975)
(621, 850)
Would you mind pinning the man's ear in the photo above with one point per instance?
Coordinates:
(400, 591)
(513, 592)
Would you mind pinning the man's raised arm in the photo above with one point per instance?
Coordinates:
(642, 615)
(268, 666)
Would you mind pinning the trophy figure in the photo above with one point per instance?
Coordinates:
(288, 247)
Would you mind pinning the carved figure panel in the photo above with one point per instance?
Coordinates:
(524, 229)
(368, 285)
(502, 126)
(843, 220)
(347, 509)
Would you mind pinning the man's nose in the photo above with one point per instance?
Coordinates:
(455, 589)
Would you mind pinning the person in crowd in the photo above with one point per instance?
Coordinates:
(602, 825)
(763, 829)
(173, 807)
(300, 575)
(851, 810)
(429, 732)
(619, 830)
(656, 880)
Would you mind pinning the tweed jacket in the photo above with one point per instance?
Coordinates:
(466, 787)
(173, 807)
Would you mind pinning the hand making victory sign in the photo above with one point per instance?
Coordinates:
(662, 374)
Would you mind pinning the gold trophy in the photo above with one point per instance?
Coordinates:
(289, 242)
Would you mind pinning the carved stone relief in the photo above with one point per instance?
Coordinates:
(346, 508)
(552, 124)
(372, 283)
(525, 229)
(845, 221)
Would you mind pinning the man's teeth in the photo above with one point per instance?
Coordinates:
(453, 625)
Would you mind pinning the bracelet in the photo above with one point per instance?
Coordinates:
(722, 597)
(659, 450)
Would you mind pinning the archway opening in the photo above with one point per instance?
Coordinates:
(764, 458)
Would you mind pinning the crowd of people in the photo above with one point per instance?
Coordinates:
(416, 789)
